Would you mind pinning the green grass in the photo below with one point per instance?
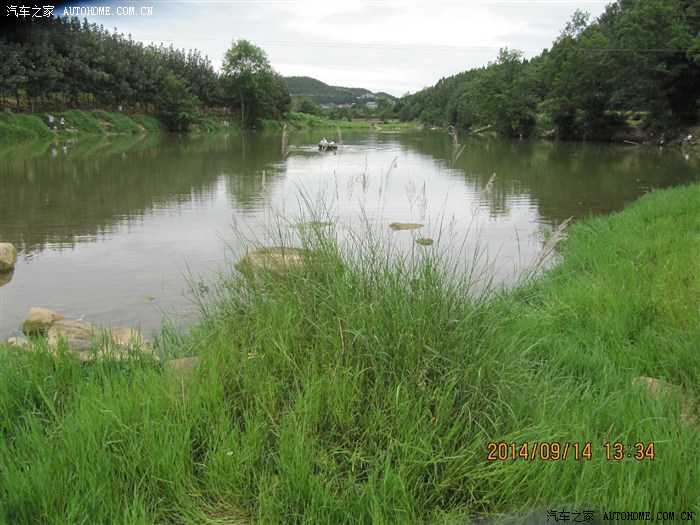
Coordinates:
(357, 390)
(148, 124)
(304, 120)
(17, 127)
(205, 124)
(116, 122)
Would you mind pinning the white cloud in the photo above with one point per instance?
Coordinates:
(380, 45)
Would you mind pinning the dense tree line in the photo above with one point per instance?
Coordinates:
(639, 60)
(61, 62)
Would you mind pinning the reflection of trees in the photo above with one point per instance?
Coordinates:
(561, 179)
(246, 156)
(72, 197)
(95, 185)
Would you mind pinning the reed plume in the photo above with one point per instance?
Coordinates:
(550, 244)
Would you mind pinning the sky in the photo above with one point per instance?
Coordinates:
(389, 46)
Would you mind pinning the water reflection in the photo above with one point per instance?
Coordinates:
(99, 224)
(82, 196)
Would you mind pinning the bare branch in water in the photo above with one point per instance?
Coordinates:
(286, 148)
(457, 148)
(265, 186)
(453, 133)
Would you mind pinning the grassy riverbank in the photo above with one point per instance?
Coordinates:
(18, 127)
(368, 392)
(306, 121)
(22, 127)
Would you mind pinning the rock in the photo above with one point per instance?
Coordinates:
(39, 320)
(17, 342)
(405, 226)
(6, 277)
(184, 367)
(276, 260)
(87, 341)
(8, 256)
(424, 241)
(663, 390)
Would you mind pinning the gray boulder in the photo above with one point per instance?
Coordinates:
(8, 256)
(87, 341)
(276, 260)
(17, 342)
(39, 320)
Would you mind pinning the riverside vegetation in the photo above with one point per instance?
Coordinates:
(632, 75)
(365, 387)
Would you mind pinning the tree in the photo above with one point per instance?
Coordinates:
(657, 71)
(505, 93)
(12, 71)
(578, 71)
(305, 105)
(175, 103)
(251, 85)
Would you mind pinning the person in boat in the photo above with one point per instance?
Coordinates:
(323, 143)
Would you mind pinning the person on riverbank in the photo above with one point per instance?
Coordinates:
(50, 119)
(62, 123)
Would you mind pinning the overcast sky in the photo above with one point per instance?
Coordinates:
(396, 47)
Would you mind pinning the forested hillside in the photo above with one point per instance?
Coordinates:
(639, 62)
(321, 93)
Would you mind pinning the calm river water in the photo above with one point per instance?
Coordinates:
(116, 231)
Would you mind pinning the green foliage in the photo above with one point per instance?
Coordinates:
(83, 122)
(367, 391)
(639, 56)
(13, 75)
(23, 127)
(205, 124)
(74, 65)
(176, 103)
(321, 93)
(116, 122)
(147, 123)
(505, 95)
(304, 120)
(18, 127)
(251, 85)
(301, 104)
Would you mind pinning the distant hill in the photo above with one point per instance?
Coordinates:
(322, 93)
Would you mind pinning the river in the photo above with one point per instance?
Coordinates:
(118, 230)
